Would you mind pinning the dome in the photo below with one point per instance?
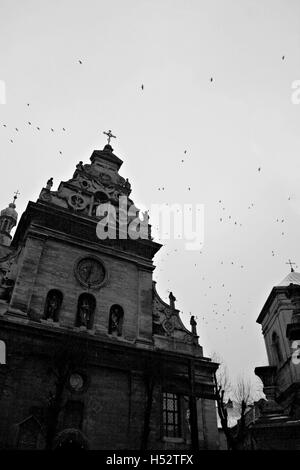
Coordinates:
(10, 211)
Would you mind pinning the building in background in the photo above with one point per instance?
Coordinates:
(274, 423)
(95, 359)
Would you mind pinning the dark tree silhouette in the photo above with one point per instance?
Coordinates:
(66, 357)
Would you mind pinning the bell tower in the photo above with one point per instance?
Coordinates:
(8, 220)
(280, 321)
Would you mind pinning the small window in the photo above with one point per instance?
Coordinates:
(5, 225)
(171, 415)
(2, 352)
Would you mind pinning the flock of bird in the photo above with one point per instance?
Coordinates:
(218, 314)
(30, 124)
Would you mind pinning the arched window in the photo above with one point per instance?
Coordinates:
(2, 352)
(53, 304)
(5, 225)
(276, 347)
(85, 310)
(116, 317)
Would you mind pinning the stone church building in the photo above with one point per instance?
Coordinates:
(274, 423)
(94, 358)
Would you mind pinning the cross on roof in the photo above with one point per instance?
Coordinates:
(16, 194)
(291, 265)
(109, 135)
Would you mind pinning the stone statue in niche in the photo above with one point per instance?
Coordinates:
(86, 307)
(84, 313)
(115, 320)
(53, 304)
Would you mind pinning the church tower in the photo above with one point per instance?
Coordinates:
(8, 220)
(95, 358)
(273, 423)
(276, 423)
(280, 320)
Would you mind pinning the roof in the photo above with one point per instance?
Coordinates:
(291, 278)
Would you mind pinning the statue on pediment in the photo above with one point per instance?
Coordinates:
(49, 184)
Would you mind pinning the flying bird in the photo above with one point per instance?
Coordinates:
(80, 61)
(142, 87)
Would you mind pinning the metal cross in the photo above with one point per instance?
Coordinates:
(291, 265)
(16, 194)
(109, 135)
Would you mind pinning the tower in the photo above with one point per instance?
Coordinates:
(277, 419)
(280, 325)
(8, 219)
(101, 361)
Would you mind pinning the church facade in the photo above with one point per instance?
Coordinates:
(95, 359)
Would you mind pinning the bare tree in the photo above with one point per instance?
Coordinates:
(64, 359)
(243, 396)
(152, 371)
(222, 390)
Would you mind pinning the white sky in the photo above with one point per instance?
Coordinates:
(242, 120)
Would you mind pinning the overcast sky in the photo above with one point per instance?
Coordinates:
(230, 127)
